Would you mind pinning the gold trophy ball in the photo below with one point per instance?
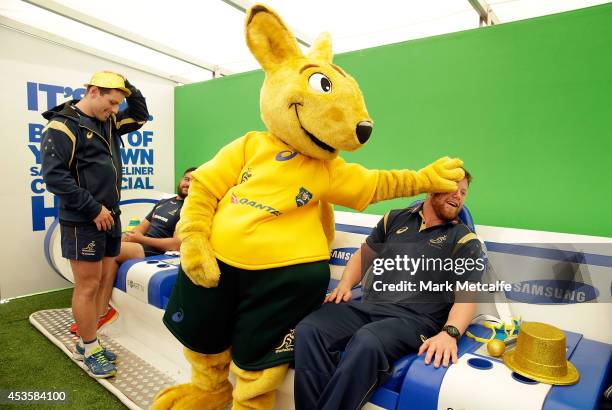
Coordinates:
(496, 347)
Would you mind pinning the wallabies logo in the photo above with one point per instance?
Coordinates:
(287, 344)
(437, 243)
(248, 173)
(303, 197)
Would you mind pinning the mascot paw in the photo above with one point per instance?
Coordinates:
(188, 396)
(442, 175)
(199, 262)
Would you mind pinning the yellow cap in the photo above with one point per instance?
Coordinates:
(108, 79)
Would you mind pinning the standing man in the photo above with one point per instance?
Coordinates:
(81, 163)
(154, 235)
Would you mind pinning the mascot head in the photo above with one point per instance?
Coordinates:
(306, 101)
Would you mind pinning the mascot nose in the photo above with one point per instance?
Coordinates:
(364, 129)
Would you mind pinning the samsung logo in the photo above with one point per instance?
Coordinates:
(340, 256)
(135, 285)
(552, 292)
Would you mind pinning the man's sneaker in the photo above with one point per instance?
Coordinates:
(110, 316)
(99, 366)
(79, 353)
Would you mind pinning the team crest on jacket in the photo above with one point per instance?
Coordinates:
(303, 197)
(437, 242)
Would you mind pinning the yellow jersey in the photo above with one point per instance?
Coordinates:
(268, 210)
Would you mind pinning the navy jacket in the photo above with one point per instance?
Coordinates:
(81, 158)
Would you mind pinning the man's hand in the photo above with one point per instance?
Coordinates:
(104, 221)
(443, 345)
(129, 85)
(342, 293)
(132, 236)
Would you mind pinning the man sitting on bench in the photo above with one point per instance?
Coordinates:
(155, 234)
(347, 348)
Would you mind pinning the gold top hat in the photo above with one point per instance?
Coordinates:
(108, 79)
(540, 355)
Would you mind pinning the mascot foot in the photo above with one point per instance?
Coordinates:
(210, 389)
(256, 390)
(188, 396)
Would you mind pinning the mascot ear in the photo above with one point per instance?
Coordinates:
(269, 39)
(322, 48)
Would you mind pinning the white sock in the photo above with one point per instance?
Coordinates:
(91, 346)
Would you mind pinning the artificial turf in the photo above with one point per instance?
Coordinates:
(29, 361)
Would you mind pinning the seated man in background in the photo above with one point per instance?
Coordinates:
(384, 326)
(153, 236)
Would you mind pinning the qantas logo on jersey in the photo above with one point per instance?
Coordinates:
(254, 204)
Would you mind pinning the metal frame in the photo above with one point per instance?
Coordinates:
(64, 42)
(486, 15)
(59, 9)
(485, 12)
(244, 5)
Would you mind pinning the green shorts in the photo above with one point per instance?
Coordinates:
(252, 311)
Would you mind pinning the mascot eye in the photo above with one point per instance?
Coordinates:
(320, 83)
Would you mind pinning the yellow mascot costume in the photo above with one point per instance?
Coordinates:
(258, 221)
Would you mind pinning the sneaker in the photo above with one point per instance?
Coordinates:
(79, 353)
(110, 316)
(98, 366)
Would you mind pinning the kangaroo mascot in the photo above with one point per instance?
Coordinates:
(256, 225)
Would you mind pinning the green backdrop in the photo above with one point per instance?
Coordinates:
(527, 105)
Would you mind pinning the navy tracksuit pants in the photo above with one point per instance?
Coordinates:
(344, 351)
